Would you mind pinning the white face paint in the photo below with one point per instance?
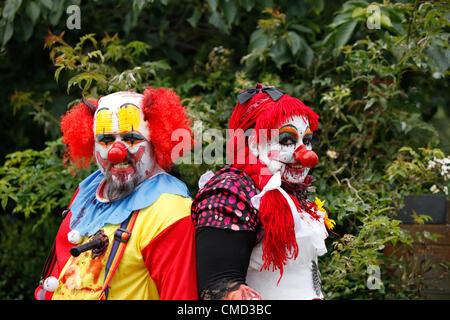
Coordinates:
(278, 153)
(122, 148)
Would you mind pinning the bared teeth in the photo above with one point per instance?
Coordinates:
(122, 165)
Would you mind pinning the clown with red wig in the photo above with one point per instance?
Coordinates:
(127, 233)
(258, 235)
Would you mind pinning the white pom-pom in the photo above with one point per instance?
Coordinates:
(74, 237)
(50, 284)
(205, 178)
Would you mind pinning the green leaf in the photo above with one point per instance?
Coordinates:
(4, 202)
(47, 3)
(280, 53)
(139, 4)
(229, 12)
(300, 28)
(8, 32)
(343, 33)
(33, 10)
(27, 27)
(194, 19)
(369, 103)
(306, 53)
(217, 21)
(294, 41)
(358, 12)
(438, 57)
(385, 20)
(349, 5)
(317, 5)
(212, 4)
(247, 4)
(57, 11)
(58, 71)
(340, 19)
(10, 9)
(342, 128)
(86, 77)
(358, 124)
(258, 40)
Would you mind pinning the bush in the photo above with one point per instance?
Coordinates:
(35, 187)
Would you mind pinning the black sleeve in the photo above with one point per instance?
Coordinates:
(222, 260)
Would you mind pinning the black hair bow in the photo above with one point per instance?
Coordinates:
(273, 92)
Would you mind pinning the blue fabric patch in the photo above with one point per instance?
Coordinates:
(89, 215)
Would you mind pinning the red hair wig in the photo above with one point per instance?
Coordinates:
(162, 110)
(78, 134)
(262, 114)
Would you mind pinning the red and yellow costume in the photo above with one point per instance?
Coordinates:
(158, 262)
(137, 214)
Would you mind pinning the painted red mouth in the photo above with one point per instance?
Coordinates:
(293, 171)
(296, 171)
(122, 168)
(294, 167)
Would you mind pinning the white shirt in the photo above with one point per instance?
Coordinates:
(301, 276)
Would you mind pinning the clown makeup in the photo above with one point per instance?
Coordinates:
(129, 168)
(122, 148)
(281, 152)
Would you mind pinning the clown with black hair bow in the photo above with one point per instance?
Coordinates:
(127, 233)
(258, 234)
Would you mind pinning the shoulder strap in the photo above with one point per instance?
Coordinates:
(121, 237)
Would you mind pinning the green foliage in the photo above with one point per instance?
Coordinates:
(38, 182)
(105, 65)
(421, 171)
(27, 100)
(35, 186)
(374, 89)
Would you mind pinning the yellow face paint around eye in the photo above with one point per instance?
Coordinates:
(129, 118)
(104, 121)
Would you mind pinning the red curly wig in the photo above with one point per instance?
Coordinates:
(162, 110)
(78, 134)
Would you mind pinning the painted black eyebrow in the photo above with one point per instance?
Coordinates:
(133, 135)
(101, 136)
(288, 125)
(289, 133)
(128, 104)
(105, 137)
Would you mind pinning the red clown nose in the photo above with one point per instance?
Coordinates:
(117, 153)
(307, 158)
